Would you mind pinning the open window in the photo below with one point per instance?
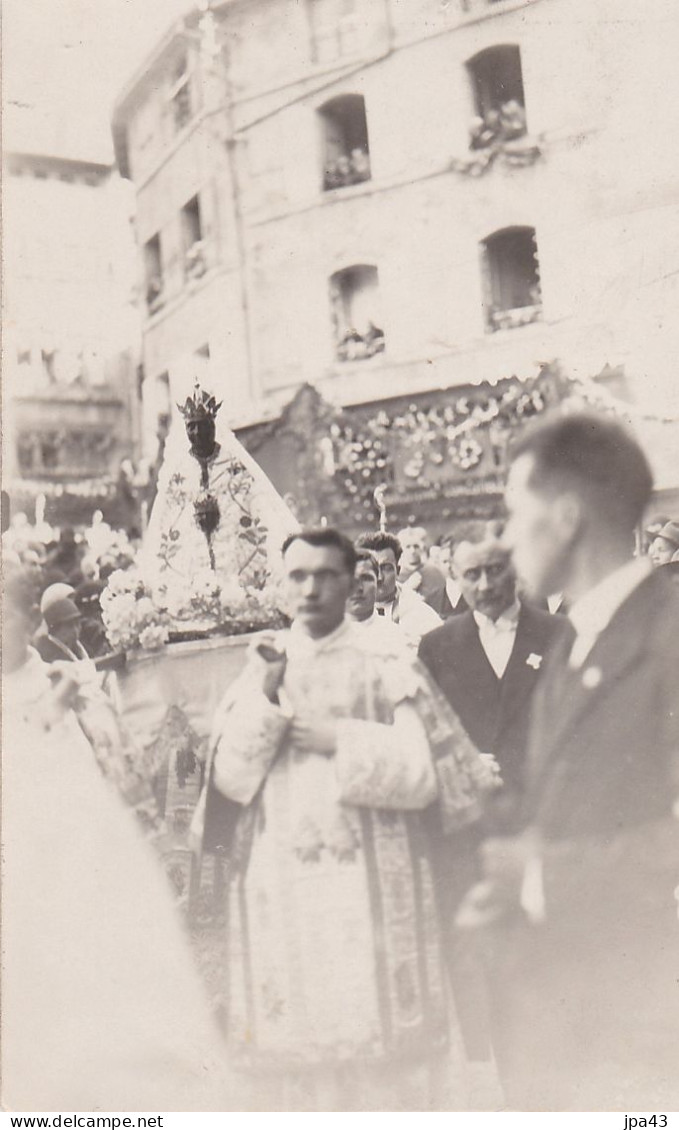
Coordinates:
(357, 321)
(181, 95)
(162, 403)
(497, 88)
(512, 295)
(192, 238)
(153, 270)
(346, 154)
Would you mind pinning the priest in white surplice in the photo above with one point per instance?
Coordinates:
(334, 759)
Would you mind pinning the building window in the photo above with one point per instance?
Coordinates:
(346, 155)
(511, 279)
(334, 29)
(354, 298)
(162, 405)
(497, 88)
(180, 95)
(153, 267)
(195, 264)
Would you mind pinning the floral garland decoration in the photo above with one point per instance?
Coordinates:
(436, 435)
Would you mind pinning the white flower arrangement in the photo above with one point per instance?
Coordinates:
(136, 616)
(131, 618)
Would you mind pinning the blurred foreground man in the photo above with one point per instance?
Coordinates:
(586, 934)
(329, 754)
(101, 1006)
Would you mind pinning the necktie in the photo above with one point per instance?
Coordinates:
(380, 611)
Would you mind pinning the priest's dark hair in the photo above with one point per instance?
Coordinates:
(380, 540)
(597, 458)
(322, 536)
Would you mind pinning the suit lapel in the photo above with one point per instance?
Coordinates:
(570, 694)
(477, 665)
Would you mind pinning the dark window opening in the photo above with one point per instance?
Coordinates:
(511, 279)
(153, 267)
(497, 85)
(192, 234)
(346, 153)
(354, 298)
(181, 106)
(180, 93)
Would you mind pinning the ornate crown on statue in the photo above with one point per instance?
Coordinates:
(201, 406)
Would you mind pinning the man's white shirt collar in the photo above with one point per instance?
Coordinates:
(506, 622)
(497, 636)
(300, 645)
(453, 591)
(593, 612)
(388, 606)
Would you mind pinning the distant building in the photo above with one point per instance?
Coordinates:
(71, 340)
(389, 201)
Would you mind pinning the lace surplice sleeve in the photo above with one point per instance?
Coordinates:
(386, 766)
(245, 747)
(461, 774)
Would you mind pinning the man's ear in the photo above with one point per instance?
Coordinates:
(568, 514)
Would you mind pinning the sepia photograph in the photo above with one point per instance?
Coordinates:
(340, 558)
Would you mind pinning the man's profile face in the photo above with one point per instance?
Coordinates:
(486, 577)
(661, 551)
(386, 578)
(318, 584)
(363, 595)
(538, 547)
(201, 433)
(414, 546)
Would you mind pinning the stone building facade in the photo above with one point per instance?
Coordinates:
(71, 340)
(386, 200)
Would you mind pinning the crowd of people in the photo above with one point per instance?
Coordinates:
(445, 798)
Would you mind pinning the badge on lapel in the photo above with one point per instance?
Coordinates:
(534, 661)
(591, 677)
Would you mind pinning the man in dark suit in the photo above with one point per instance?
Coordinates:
(453, 602)
(585, 928)
(488, 660)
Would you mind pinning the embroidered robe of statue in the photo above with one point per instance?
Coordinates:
(242, 552)
(334, 943)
